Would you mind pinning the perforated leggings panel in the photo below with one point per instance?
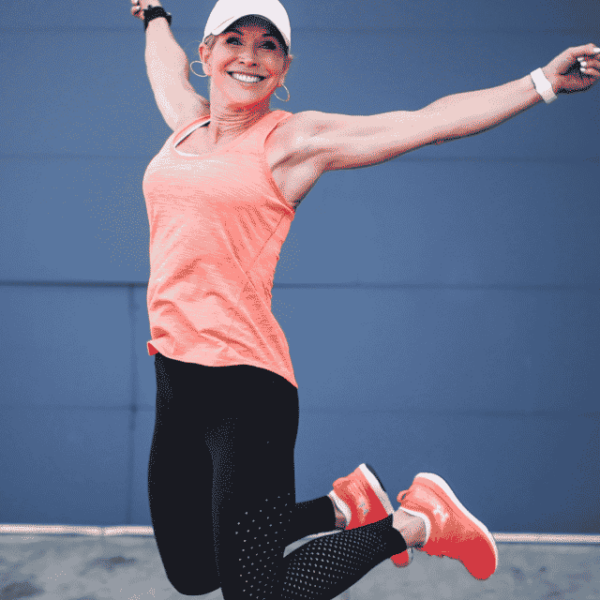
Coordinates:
(329, 565)
(222, 492)
(320, 569)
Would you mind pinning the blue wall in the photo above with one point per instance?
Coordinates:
(442, 309)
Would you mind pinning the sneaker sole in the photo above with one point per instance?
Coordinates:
(437, 480)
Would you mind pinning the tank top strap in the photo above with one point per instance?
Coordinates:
(254, 143)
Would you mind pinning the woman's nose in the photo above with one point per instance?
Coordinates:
(248, 55)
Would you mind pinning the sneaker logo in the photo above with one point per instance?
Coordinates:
(439, 511)
(436, 507)
(363, 505)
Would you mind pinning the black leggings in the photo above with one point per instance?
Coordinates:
(222, 493)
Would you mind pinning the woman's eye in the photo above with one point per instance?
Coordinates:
(237, 42)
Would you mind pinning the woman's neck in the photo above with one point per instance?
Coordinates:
(227, 121)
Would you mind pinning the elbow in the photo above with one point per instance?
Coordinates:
(434, 128)
(449, 136)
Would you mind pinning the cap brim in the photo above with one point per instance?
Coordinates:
(223, 26)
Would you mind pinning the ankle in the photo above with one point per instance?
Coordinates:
(412, 528)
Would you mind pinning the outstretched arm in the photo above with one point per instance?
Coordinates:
(168, 71)
(346, 142)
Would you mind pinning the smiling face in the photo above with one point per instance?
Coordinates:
(247, 62)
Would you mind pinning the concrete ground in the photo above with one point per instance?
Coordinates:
(128, 567)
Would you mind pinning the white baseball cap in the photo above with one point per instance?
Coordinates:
(227, 12)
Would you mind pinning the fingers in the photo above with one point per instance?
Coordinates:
(136, 8)
(588, 57)
(589, 66)
(587, 50)
(591, 72)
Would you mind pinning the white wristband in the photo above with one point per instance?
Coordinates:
(542, 86)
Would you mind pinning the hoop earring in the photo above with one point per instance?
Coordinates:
(278, 98)
(194, 72)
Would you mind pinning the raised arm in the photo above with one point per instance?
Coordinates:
(168, 71)
(346, 142)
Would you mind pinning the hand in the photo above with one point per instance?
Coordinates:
(139, 6)
(565, 74)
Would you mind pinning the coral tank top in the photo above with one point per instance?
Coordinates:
(217, 224)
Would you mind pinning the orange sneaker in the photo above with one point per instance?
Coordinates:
(451, 530)
(363, 500)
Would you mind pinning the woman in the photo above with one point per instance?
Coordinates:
(221, 195)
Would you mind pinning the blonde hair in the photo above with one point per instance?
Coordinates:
(209, 41)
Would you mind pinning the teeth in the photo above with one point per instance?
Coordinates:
(245, 78)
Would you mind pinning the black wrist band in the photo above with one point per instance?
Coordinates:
(153, 12)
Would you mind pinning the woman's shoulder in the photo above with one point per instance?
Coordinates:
(295, 127)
